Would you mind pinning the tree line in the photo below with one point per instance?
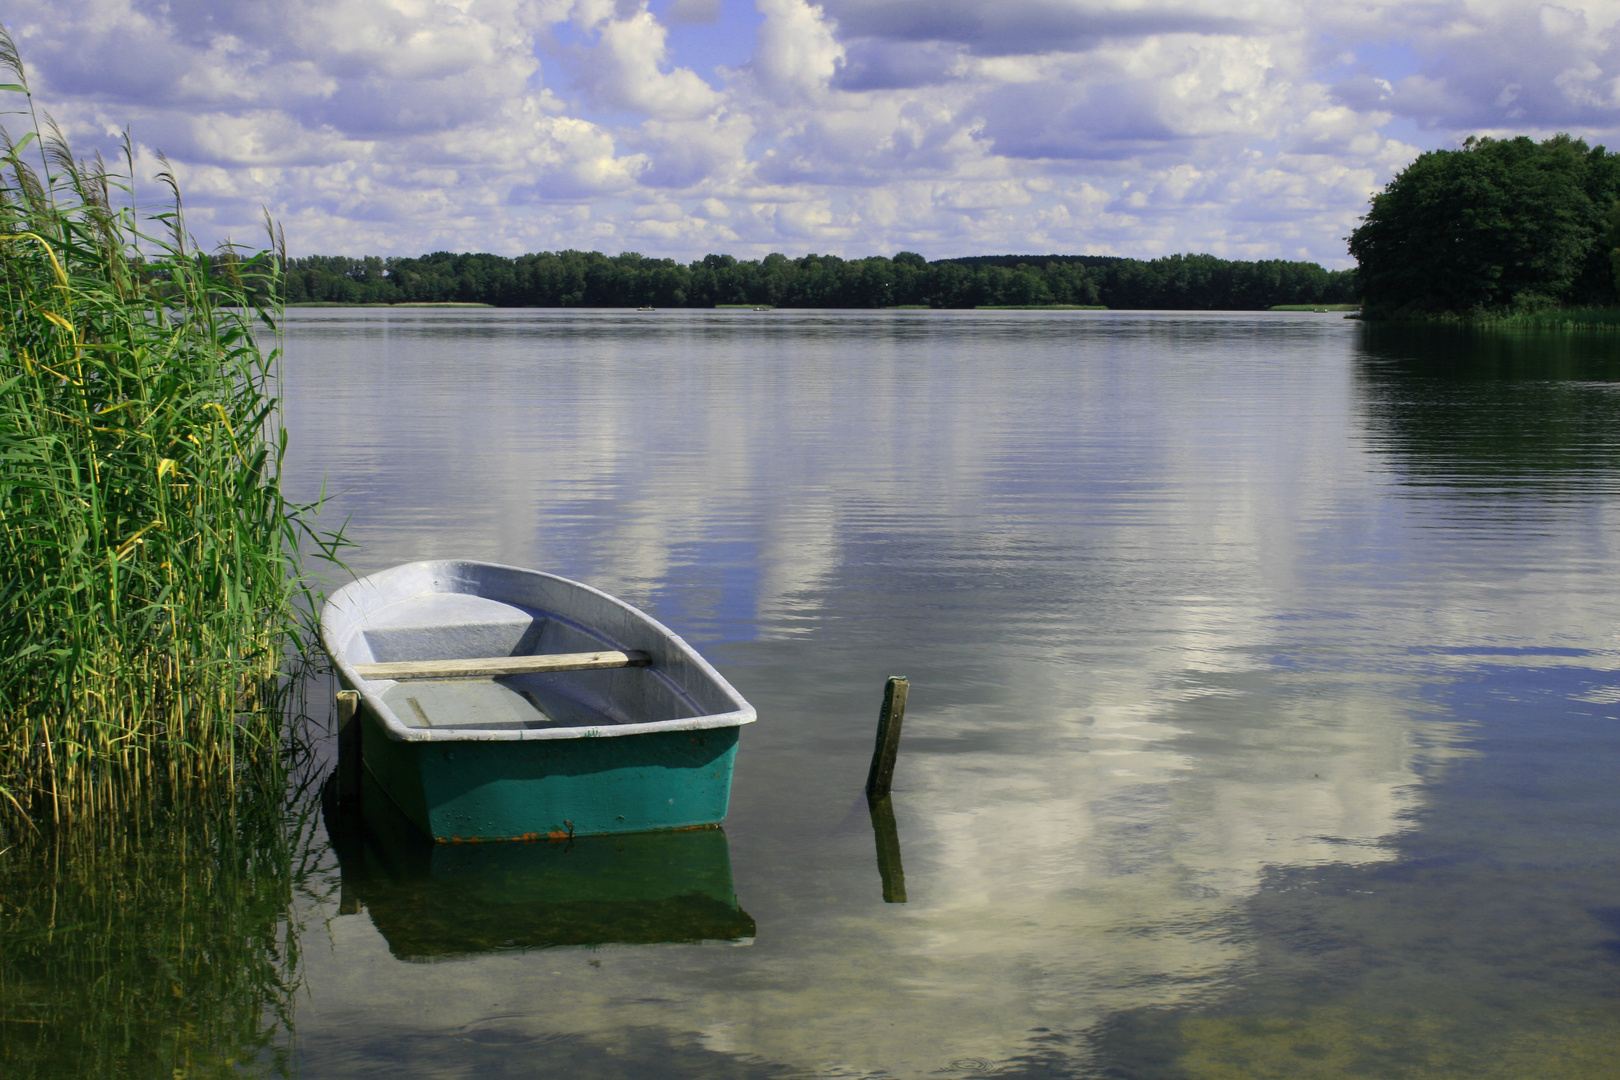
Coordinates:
(1497, 227)
(592, 279)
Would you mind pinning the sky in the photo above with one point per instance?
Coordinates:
(853, 127)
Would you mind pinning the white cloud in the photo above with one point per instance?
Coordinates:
(624, 69)
(574, 159)
(708, 152)
(854, 126)
(1495, 66)
(797, 54)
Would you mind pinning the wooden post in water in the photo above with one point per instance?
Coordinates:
(881, 774)
(348, 746)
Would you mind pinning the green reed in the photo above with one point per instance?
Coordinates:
(149, 582)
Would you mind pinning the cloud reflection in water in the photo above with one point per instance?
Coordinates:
(1159, 593)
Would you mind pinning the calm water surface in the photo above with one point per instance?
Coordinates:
(1262, 719)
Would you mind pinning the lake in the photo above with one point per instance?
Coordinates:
(1262, 717)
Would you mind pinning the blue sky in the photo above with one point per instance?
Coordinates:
(680, 127)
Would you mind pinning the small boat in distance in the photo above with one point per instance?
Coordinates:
(498, 703)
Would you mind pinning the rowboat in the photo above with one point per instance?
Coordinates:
(498, 703)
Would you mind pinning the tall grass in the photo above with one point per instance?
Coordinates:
(149, 583)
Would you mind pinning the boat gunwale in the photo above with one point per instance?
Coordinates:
(371, 692)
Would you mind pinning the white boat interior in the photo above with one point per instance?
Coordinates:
(455, 625)
(456, 649)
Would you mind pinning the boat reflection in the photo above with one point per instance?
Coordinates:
(440, 901)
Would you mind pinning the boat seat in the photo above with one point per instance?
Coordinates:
(451, 625)
(496, 666)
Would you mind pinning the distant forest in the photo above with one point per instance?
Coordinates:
(592, 279)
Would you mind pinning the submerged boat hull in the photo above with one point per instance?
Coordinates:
(469, 726)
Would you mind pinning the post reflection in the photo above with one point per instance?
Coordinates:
(888, 850)
(441, 901)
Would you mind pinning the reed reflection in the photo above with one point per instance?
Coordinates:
(441, 901)
(156, 944)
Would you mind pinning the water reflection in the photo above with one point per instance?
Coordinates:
(163, 944)
(890, 867)
(1485, 948)
(1180, 591)
(439, 901)
(1510, 410)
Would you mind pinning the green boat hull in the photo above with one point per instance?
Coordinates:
(457, 791)
(441, 901)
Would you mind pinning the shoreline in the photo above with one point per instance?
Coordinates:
(402, 304)
(1574, 318)
(1304, 308)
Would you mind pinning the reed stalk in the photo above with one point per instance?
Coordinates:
(149, 563)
